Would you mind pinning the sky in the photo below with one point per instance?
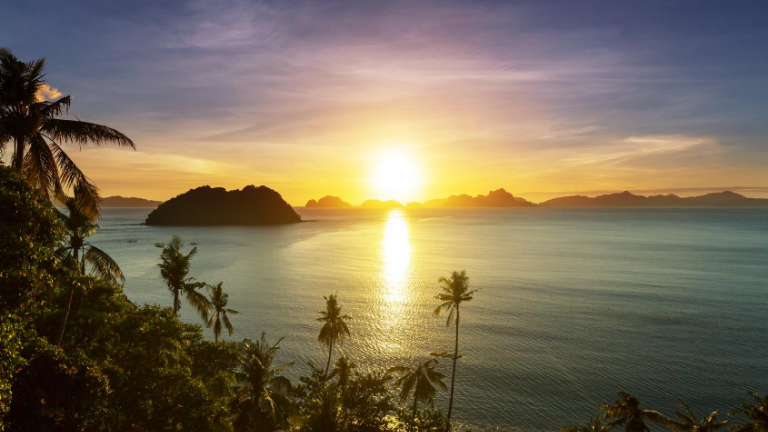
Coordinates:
(542, 98)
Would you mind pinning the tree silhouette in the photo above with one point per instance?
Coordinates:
(82, 256)
(263, 389)
(174, 270)
(218, 301)
(420, 380)
(626, 412)
(335, 327)
(688, 422)
(455, 292)
(37, 133)
(756, 414)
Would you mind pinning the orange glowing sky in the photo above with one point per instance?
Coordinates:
(542, 99)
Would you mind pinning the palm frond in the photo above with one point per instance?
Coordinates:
(102, 265)
(83, 133)
(197, 300)
(50, 109)
(40, 166)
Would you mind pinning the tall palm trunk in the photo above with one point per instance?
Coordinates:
(453, 376)
(330, 351)
(64, 319)
(176, 302)
(18, 155)
(415, 399)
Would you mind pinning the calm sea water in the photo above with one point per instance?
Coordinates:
(575, 304)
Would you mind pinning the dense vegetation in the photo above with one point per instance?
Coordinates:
(217, 206)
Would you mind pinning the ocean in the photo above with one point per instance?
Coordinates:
(575, 306)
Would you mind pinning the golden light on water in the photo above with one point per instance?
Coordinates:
(396, 256)
(395, 267)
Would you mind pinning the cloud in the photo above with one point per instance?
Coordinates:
(635, 147)
(47, 93)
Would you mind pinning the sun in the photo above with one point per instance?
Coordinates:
(396, 176)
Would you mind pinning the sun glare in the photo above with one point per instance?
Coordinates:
(396, 176)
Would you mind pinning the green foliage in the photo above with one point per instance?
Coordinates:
(10, 359)
(56, 391)
(152, 372)
(627, 413)
(29, 231)
(756, 414)
(264, 395)
(688, 422)
(424, 420)
(594, 425)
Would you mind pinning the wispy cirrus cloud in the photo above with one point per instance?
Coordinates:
(636, 147)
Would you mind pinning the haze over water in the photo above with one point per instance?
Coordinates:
(576, 304)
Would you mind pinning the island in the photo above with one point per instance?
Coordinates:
(118, 201)
(497, 198)
(207, 206)
(378, 204)
(328, 201)
(628, 199)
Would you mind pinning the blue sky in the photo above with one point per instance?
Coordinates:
(539, 97)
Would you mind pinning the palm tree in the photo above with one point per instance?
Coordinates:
(594, 425)
(687, 422)
(627, 412)
(218, 301)
(81, 255)
(756, 414)
(37, 133)
(174, 268)
(421, 380)
(335, 327)
(455, 292)
(343, 370)
(263, 388)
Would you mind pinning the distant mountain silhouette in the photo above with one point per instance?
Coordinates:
(497, 198)
(328, 201)
(217, 206)
(627, 199)
(378, 204)
(118, 201)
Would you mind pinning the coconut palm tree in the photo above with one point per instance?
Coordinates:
(81, 255)
(688, 422)
(594, 425)
(756, 414)
(335, 328)
(262, 389)
(626, 412)
(218, 301)
(35, 130)
(343, 370)
(455, 292)
(174, 270)
(421, 380)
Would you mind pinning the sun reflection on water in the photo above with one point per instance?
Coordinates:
(395, 268)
